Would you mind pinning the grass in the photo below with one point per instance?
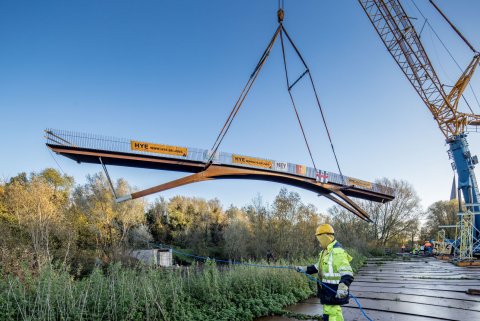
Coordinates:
(204, 293)
(239, 293)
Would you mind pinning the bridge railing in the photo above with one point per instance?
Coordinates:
(122, 145)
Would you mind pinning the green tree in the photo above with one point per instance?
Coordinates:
(158, 221)
(441, 213)
(294, 225)
(262, 231)
(38, 206)
(109, 222)
(238, 232)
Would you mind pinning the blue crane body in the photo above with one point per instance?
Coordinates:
(465, 165)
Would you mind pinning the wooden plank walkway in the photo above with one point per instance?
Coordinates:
(409, 288)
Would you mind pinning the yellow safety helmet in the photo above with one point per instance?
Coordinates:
(324, 229)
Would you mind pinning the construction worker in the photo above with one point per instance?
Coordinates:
(415, 249)
(335, 272)
(428, 247)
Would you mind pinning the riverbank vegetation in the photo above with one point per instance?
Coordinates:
(197, 292)
(120, 293)
(64, 250)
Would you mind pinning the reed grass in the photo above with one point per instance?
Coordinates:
(200, 292)
(120, 293)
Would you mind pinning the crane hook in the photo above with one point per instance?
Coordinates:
(280, 15)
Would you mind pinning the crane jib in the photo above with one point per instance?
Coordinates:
(399, 36)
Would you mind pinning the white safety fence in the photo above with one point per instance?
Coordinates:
(122, 145)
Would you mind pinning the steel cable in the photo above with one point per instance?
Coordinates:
(449, 53)
(293, 101)
(317, 101)
(51, 154)
(242, 97)
(280, 30)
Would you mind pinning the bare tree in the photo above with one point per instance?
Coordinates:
(391, 221)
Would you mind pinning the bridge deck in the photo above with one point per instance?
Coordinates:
(87, 148)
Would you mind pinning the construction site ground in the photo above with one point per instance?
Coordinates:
(406, 289)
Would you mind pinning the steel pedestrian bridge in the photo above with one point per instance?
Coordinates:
(88, 148)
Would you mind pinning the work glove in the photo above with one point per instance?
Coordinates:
(342, 291)
(300, 268)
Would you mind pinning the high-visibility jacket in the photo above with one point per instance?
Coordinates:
(333, 268)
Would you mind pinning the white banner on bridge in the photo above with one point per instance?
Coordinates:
(281, 166)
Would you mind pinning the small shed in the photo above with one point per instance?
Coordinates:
(156, 257)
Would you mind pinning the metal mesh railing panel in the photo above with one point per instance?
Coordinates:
(122, 145)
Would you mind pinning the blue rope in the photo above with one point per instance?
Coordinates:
(312, 278)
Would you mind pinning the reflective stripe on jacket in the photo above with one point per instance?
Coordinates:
(333, 267)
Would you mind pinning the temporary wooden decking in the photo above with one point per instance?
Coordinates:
(416, 289)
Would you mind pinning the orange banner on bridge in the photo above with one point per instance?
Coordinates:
(251, 161)
(359, 183)
(301, 169)
(159, 148)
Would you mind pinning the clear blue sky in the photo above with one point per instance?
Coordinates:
(170, 72)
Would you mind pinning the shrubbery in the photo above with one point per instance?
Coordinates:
(193, 293)
(199, 292)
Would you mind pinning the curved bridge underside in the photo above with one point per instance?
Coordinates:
(338, 193)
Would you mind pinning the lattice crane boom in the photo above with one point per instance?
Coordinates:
(402, 41)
